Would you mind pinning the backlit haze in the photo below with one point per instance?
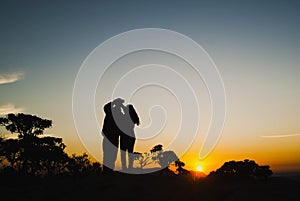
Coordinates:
(254, 45)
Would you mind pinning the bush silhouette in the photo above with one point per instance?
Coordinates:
(34, 155)
(242, 170)
(180, 170)
(158, 155)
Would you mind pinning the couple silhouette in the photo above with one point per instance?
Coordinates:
(118, 127)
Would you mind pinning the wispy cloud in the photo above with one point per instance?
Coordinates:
(281, 136)
(11, 77)
(9, 108)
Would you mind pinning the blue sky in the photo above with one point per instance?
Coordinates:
(255, 45)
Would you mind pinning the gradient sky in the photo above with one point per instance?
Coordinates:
(255, 46)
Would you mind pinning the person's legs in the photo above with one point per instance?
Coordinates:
(123, 159)
(110, 151)
(106, 159)
(130, 152)
(123, 149)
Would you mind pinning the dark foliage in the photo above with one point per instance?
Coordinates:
(157, 155)
(25, 124)
(30, 154)
(242, 170)
(143, 159)
(180, 170)
(156, 148)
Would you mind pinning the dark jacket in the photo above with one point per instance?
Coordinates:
(110, 129)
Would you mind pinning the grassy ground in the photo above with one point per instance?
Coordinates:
(145, 187)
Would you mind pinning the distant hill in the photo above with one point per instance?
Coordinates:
(158, 171)
(291, 175)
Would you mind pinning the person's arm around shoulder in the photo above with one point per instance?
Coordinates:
(133, 115)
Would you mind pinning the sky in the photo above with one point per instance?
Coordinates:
(255, 46)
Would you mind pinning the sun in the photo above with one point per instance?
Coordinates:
(199, 168)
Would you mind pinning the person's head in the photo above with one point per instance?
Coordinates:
(118, 101)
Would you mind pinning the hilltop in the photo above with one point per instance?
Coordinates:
(145, 187)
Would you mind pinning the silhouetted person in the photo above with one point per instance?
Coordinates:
(127, 138)
(111, 133)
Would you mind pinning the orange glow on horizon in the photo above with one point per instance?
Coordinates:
(280, 155)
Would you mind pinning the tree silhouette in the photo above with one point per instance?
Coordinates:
(1, 149)
(242, 170)
(10, 151)
(157, 155)
(165, 158)
(29, 153)
(180, 170)
(28, 127)
(156, 148)
(49, 156)
(143, 159)
(25, 124)
(263, 172)
(81, 165)
(38, 156)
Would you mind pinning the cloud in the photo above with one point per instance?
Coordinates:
(281, 136)
(11, 77)
(9, 108)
